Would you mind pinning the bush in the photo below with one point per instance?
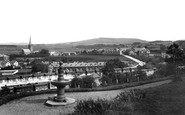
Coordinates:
(86, 82)
(124, 103)
(92, 107)
(75, 82)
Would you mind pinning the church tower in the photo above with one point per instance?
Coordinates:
(30, 47)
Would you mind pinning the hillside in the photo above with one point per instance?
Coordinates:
(73, 46)
(108, 41)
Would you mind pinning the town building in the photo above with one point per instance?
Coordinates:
(14, 63)
(79, 67)
(115, 51)
(68, 53)
(142, 51)
(154, 49)
(54, 53)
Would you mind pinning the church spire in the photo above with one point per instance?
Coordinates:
(30, 40)
(30, 47)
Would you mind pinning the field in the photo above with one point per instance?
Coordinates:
(89, 58)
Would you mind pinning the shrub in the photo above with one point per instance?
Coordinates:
(90, 107)
(75, 82)
(87, 82)
(124, 103)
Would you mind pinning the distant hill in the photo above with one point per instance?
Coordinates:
(74, 46)
(108, 41)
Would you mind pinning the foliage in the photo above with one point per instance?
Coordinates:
(176, 58)
(75, 82)
(176, 54)
(44, 52)
(37, 66)
(121, 104)
(111, 64)
(5, 91)
(85, 82)
(166, 70)
(92, 107)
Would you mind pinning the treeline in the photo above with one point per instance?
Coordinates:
(41, 53)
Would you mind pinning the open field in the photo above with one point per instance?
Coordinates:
(90, 58)
(35, 104)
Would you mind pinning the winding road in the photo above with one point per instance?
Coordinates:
(140, 63)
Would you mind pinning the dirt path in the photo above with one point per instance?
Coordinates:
(34, 105)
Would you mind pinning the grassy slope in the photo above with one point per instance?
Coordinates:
(165, 100)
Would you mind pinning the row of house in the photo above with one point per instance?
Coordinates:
(55, 53)
(150, 51)
(76, 66)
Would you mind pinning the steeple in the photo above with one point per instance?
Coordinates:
(30, 40)
(30, 47)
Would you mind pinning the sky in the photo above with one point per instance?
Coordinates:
(60, 21)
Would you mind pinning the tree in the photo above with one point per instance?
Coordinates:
(176, 58)
(37, 66)
(44, 52)
(75, 82)
(111, 64)
(88, 82)
(106, 80)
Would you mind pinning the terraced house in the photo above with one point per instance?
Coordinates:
(79, 67)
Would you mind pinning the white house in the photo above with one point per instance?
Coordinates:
(148, 72)
(54, 53)
(14, 63)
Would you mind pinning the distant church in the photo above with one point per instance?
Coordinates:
(29, 50)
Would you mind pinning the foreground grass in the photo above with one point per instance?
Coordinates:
(168, 99)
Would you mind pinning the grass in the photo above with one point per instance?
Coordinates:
(164, 100)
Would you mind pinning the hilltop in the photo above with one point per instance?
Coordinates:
(108, 41)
